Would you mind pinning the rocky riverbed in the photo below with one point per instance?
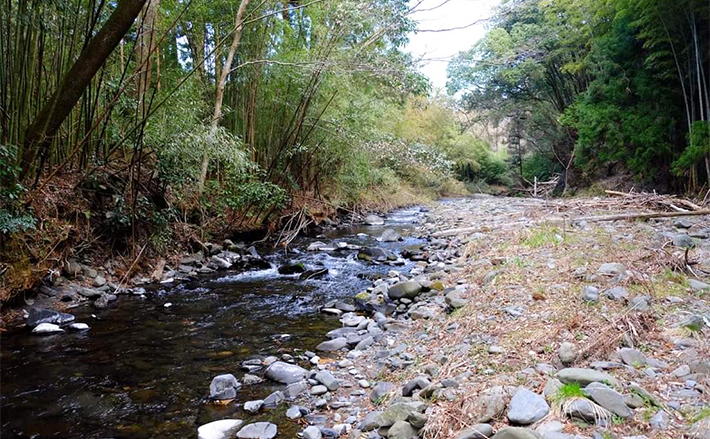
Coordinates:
(515, 325)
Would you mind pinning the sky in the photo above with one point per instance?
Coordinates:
(436, 48)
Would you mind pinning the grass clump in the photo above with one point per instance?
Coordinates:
(543, 236)
(568, 392)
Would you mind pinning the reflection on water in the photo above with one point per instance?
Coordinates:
(143, 370)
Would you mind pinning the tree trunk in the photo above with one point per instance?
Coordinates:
(146, 47)
(38, 136)
(219, 96)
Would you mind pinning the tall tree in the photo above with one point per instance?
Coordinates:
(41, 131)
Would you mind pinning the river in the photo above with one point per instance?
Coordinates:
(143, 369)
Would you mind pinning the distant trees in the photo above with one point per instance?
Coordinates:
(619, 81)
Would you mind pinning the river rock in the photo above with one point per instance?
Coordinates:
(380, 390)
(399, 412)
(285, 373)
(585, 410)
(583, 377)
(660, 420)
(698, 285)
(612, 269)
(224, 387)
(274, 399)
(402, 430)
(608, 398)
(374, 220)
(327, 379)
(390, 235)
(258, 430)
(478, 431)
(417, 420)
(365, 343)
(312, 432)
(567, 353)
(683, 240)
(412, 385)
(527, 407)
(376, 253)
(633, 357)
(516, 433)
(617, 293)
(46, 328)
(292, 268)
(253, 406)
(493, 402)
(590, 293)
(407, 290)
(296, 412)
(422, 313)
(333, 345)
(79, 327)
(454, 299)
(223, 429)
(640, 303)
(369, 423)
(38, 316)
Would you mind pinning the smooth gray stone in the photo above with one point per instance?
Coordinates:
(399, 412)
(609, 398)
(285, 373)
(274, 399)
(402, 430)
(258, 430)
(223, 429)
(369, 423)
(37, 316)
(253, 406)
(478, 431)
(379, 390)
(583, 377)
(527, 407)
(224, 387)
(333, 345)
(327, 379)
(516, 433)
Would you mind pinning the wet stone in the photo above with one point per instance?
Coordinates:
(224, 387)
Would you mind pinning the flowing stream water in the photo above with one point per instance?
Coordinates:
(143, 370)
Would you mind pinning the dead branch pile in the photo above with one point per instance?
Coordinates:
(652, 201)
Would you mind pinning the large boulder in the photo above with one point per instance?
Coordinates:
(224, 387)
(223, 429)
(285, 373)
(404, 290)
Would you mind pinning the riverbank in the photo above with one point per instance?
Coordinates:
(525, 330)
(505, 324)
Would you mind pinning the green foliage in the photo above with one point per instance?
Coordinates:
(13, 217)
(539, 165)
(697, 150)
